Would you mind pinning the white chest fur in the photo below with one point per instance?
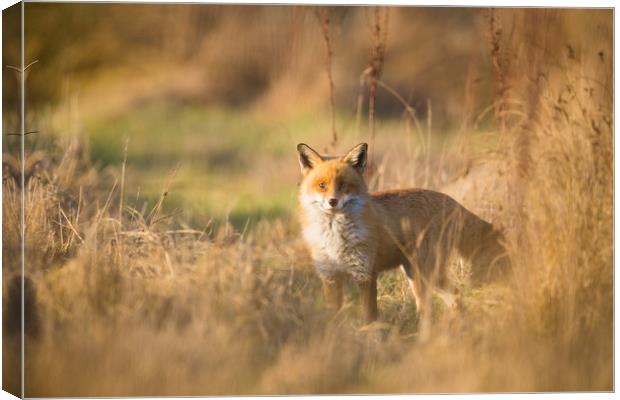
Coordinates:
(340, 244)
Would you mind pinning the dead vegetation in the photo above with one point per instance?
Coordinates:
(130, 301)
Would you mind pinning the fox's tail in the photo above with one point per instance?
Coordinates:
(484, 246)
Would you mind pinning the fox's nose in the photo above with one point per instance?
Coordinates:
(333, 202)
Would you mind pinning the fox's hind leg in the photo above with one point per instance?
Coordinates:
(449, 296)
(418, 287)
(443, 289)
(422, 300)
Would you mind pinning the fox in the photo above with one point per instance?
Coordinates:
(356, 235)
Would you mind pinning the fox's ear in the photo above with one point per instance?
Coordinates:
(308, 158)
(357, 157)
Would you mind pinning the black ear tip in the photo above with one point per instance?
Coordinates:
(364, 146)
(301, 146)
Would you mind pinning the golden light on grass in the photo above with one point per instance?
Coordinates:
(129, 300)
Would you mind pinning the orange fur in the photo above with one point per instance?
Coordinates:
(354, 234)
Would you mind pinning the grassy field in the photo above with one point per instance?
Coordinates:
(176, 266)
(229, 164)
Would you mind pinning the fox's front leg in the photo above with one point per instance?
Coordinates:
(332, 289)
(368, 290)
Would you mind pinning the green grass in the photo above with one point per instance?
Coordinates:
(231, 165)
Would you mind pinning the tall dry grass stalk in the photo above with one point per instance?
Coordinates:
(501, 65)
(560, 209)
(376, 59)
(323, 16)
(130, 302)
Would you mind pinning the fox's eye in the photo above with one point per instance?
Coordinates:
(322, 185)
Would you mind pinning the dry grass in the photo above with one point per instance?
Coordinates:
(131, 302)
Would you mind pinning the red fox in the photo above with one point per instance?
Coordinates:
(354, 234)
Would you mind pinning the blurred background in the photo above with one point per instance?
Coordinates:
(219, 95)
(222, 94)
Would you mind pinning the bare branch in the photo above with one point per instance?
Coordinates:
(322, 14)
